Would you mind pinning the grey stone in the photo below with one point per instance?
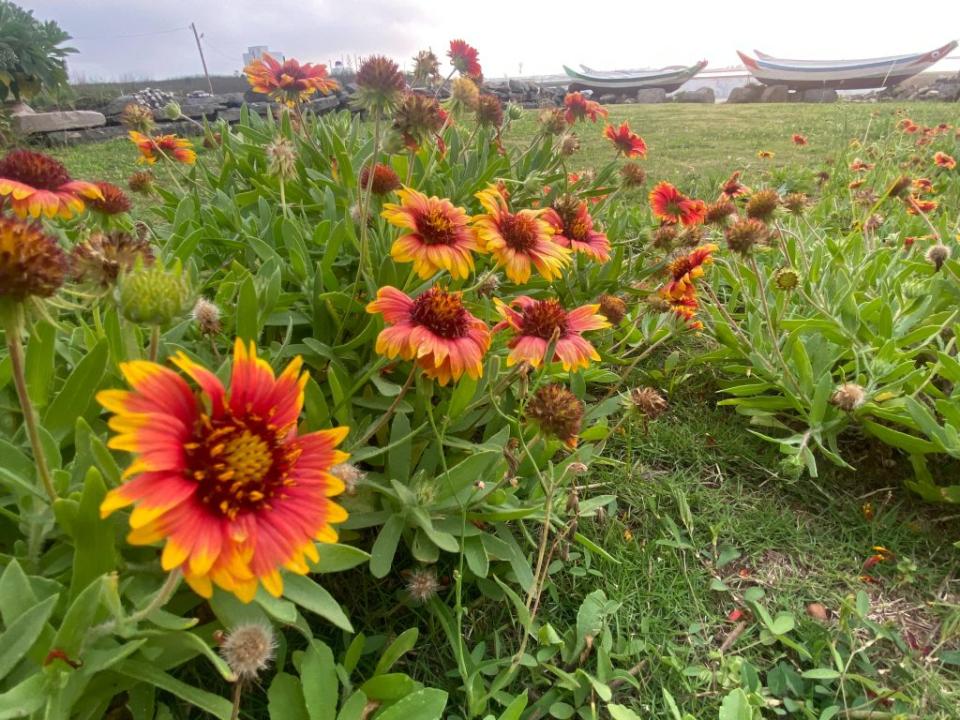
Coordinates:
(775, 94)
(745, 94)
(230, 115)
(820, 95)
(651, 96)
(17, 108)
(234, 99)
(609, 99)
(701, 95)
(199, 107)
(31, 123)
(116, 106)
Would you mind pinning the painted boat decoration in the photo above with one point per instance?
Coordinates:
(841, 74)
(629, 81)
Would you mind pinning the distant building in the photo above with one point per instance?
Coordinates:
(254, 52)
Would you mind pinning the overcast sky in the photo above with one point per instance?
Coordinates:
(148, 39)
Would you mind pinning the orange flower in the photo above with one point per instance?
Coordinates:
(859, 165)
(37, 184)
(684, 307)
(537, 323)
(223, 476)
(733, 187)
(435, 329)
(290, 82)
(765, 154)
(628, 143)
(518, 241)
(685, 269)
(908, 126)
(799, 139)
(923, 185)
(916, 206)
(573, 228)
(465, 59)
(945, 161)
(170, 146)
(579, 108)
(855, 184)
(438, 238)
(673, 206)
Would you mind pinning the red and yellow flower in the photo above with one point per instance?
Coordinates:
(580, 108)
(518, 241)
(163, 146)
(917, 206)
(671, 205)
(859, 165)
(799, 140)
(685, 269)
(465, 59)
(684, 307)
(435, 329)
(538, 323)
(765, 154)
(439, 236)
(732, 187)
(36, 185)
(573, 228)
(288, 82)
(627, 142)
(941, 159)
(222, 476)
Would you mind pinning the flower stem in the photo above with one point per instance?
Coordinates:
(162, 597)
(237, 695)
(13, 326)
(154, 343)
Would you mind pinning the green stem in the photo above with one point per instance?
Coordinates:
(13, 326)
(154, 343)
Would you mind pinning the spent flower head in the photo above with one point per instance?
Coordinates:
(248, 649)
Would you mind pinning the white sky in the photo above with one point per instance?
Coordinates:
(540, 35)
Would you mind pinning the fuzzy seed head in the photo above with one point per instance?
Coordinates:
(647, 402)
(744, 234)
(422, 584)
(349, 474)
(282, 158)
(938, 254)
(137, 117)
(248, 649)
(103, 257)
(795, 203)
(558, 412)
(489, 111)
(207, 316)
(762, 204)
(379, 84)
(141, 182)
(569, 144)
(488, 285)
(552, 121)
(664, 237)
(719, 213)
(848, 397)
(632, 175)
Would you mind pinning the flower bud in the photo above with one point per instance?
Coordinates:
(786, 279)
(153, 295)
(172, 111)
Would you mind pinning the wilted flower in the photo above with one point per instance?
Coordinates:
(290, 82)
(489, 111)
(613, 308)
(465, 59)
(422, 584)
(207, 316)
(745, 233)
(849, 397)
(938, 254)
(464, 94)
(558, 412)
(416, 118)
(786, 279)
(732, 187)
(426, 67)
(248, 649)
(795, 202)
(137, 117)
(113, 201)
(632, 175)
(379, 84)
(31, 262)
(647, 402)
(281, 158)
(859, 165)
(36, 185)
(153, 295)
(103, 257)
(569, 144)
(916, 205)
(573, 228)
(488, 284)
(799, 139)
(719, 212)
(552, 121)
(762, 204)
(385, 179)
(141, 182)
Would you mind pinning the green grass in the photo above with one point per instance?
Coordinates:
(700, 470)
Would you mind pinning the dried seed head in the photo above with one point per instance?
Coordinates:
(426, 67)
(489, 284)
(899, 187)
(385, 179)
(248, 650)
(719, 213)
(207, 316)
(664, 237)
(141, 182)
(849, 397)
(648, 402)
(569, 144)
(632, 175)
(349, 474)
(31, 262)
(938, 254)
(103, 257)
(578, 468)
(786, 279)
(137, 117)
(489, 111)
(558, 412)
(552, 121)
(657, 303)
(465, 94)
(422, 584)
(744, 234)
(282, 158)
(762, 204)
(612, 308)
(379, 84)
(795, 202)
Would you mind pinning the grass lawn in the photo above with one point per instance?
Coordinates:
(704, 510)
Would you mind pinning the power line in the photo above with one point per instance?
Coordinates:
(131, 35)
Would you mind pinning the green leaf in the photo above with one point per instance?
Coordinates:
(80, 617)
(397, 649)
(16, 593)
(385, 546)
(337, 558)
(25, 698)
(515, 708)
(22, 633)
(73, 399)
(248, 311)
(318, 675)
(736, 706)
(354, 707)
(563, 711)
(388, 687)
(311, 596)
(622, 712)
(285, 698)
(94, 547)
(39, 363)
(149, 673)
(424, 704)
(398, 457)
(821, 673)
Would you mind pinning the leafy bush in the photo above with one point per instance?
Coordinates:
(31, 58)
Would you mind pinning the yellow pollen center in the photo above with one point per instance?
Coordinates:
(248, 458)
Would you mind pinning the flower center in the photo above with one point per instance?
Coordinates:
(240, 465)
(442, 313)
(520, 232)
(680, 267)
(543, 319)
(34, 169)
(436, 228)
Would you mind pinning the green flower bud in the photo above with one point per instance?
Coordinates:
(154, 295)
(172, 111)
(786, 278)
(514, 111)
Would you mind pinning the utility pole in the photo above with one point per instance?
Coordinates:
(203, 60)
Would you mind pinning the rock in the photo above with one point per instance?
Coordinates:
(702, 95)
(199, 107)
(820, 95)
(651, 96)
(745, 94)
(17, 108)
(116, 106)
(775, 94)
(234, 99)
(230, 115)
(30, 123)
(609, 99)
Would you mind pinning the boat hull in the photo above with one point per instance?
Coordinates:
(629, 82)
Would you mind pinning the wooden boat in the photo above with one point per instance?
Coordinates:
(841, 74)
(629, 81)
